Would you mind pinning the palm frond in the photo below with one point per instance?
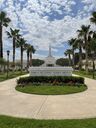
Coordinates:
(9, 35)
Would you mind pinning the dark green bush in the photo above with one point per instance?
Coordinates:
(50, 79)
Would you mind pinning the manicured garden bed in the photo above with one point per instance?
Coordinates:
(56, 85)
(10, 122)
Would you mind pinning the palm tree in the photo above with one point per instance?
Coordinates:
(68, 53)
(32, 50)
(93, 50)
(72, 42)
(80, 46)
(93, 18)
(4, 21)
(14, 35)
(21, 43)
(85, 33)
(27, 47)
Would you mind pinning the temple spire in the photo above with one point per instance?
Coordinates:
(50, 50)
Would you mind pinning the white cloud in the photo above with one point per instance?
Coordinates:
(42, 31)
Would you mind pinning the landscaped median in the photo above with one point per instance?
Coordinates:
(51, 85)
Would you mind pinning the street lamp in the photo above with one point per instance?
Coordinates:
(8, 52)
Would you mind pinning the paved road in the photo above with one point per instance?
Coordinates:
(14, 103)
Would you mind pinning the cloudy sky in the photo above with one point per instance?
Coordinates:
(44, 22)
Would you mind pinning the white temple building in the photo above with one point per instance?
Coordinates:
(49, 68)
(50, 61)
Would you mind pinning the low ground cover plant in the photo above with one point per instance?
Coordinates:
(50, 80)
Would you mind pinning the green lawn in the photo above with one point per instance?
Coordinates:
(83, 73)
(3, 76)
(10, 122)
(51, 90)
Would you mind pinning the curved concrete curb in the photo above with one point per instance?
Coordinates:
(80, 105)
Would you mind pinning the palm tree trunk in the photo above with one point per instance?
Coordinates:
(30, 59)
(73, 63)
(80, 58)
(86, 54)
(93, 68)
(69, 60)
(86, 64)
(14, 53)
(27, 59)
(1, 43)
(21, 59)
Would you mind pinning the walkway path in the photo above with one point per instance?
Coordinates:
(81, 105)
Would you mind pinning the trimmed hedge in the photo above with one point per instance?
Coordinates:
(50, 79)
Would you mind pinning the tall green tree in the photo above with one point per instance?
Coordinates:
(93, 50)
(32, 50)
(27, 47)
(62, 62)
(84, 33)
(21, 44)
(68, 53)
(4, 21)
(37, 62)
(73, 44)
(14, 34)
(79, 43)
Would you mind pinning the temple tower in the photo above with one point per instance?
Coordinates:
(50, 61)
(50, 55)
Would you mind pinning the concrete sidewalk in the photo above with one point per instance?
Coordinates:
(73, 106)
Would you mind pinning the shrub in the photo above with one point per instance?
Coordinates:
(55, 82)
(50, 79)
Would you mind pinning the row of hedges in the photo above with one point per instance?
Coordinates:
(50, 79)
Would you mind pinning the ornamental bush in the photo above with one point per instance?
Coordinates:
(50, 79)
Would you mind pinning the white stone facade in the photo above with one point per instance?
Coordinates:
(50, 71)
(49, 61)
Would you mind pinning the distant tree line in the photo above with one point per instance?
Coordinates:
(62, 62)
